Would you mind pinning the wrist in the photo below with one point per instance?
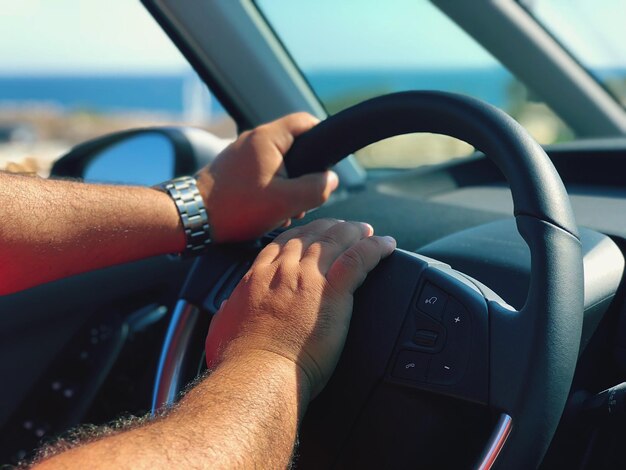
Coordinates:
(206, 186)
(169, 213)
(272, 366)
(205, 183)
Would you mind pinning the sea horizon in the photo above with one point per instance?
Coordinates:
(164, 92)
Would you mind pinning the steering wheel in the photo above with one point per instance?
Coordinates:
(420, 330)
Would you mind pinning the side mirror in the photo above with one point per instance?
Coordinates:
(141, 156)
(145, 159)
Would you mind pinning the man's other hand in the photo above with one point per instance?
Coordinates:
(296, 300)
(246, 189)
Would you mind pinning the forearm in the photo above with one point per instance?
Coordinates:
(245, 415)
(51, 229)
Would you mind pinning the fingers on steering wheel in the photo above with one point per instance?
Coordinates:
(328, 246)
(286, 128)
(294, 241)
(305, 192)
(350, 269)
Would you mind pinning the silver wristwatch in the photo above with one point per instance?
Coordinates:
(193, 215)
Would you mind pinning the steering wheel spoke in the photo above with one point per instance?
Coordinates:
(443, 344)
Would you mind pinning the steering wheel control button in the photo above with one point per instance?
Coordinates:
(448, 367)
(429, 336)
(426, 338)
(411, 365)
(432, 301)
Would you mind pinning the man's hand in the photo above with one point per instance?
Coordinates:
(272, 346)
(74, 227)
(296, 299)
(246, 189)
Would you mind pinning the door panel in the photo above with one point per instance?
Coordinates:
(36, 326)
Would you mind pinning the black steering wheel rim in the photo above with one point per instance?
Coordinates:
(536, 186)
(533, 351)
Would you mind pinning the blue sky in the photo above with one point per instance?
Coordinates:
(414, 33)
(371, 33)
(84, 36)
(595, 30)
(112, 36)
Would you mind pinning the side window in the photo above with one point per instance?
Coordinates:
(71, 71)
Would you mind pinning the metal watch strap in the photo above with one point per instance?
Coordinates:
(193, 215)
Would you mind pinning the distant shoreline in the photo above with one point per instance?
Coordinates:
(111, 93)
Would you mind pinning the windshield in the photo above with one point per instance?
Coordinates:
(354, 49)
(594, 33)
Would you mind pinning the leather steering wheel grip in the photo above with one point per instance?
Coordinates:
(537, 188)
(534, 351)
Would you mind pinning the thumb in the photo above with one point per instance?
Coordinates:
(308, 191)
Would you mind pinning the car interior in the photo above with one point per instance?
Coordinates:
(495, 335)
